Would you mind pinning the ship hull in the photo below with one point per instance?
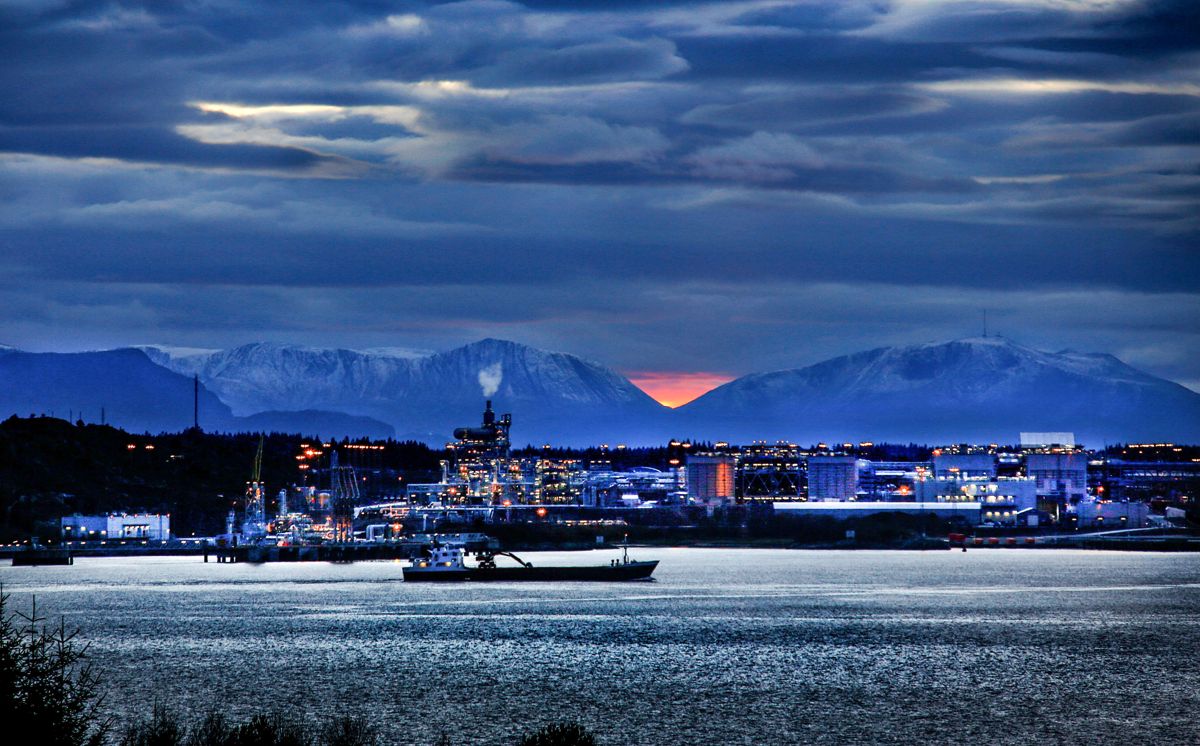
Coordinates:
(601, 573)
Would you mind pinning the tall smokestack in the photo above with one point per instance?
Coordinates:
(489, 416)
(196, 401)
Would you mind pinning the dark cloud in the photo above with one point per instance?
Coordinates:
(149, 144)
(592, 62)
(1175, 129)
(678, 184)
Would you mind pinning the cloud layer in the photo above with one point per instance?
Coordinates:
(715, 187)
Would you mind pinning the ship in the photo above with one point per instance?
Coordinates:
(448, 563)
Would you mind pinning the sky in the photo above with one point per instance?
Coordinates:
(684, 191)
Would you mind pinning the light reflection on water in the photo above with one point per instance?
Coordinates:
(727, 646)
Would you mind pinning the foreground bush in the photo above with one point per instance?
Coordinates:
(560, 734)
(47, 690)
(164, 728)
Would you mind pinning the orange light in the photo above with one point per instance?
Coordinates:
(541, 512)
(672, 389)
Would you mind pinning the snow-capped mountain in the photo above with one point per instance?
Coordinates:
(260, 377)
(555, 397)
(983, 389)
(980, 389)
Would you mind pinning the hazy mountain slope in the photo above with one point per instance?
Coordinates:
(972, 389)
(140, 395)
(135, 393)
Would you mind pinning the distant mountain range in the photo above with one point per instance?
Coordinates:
(982, 389)
(979, 390)
(554, 397)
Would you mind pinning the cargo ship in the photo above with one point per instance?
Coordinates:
(448, 563)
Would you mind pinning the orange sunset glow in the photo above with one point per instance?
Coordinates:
(675, 389)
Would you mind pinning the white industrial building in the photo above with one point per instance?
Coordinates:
(1115, 515)
(1061, 477)
(151, 526)
(1000, 499)
(833, 477)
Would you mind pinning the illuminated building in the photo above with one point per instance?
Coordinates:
(487, 442)
(637, 486)
(151, 526)
(1150, 472)
(557, 480)
(891, 480)
(1061, 479)
(480, 471)
(767, 472)
(999, 500)
(1115, 515)
(1048, 442)
(964, 465)
(710, 478)
(832, 477)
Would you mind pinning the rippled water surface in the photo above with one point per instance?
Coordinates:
(725, 647)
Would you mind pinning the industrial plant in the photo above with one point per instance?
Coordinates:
(347, 501)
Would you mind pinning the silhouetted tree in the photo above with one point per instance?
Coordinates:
(560, 734)
(47, 690)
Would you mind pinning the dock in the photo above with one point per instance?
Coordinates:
(356, 551)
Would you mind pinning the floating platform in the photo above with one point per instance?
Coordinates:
(35, 557)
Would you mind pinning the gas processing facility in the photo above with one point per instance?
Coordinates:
(346, 496)
(482, 473)
(1048, 480)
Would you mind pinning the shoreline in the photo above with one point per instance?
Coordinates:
(1171, 544)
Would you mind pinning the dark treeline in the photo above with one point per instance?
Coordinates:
(50, 468)
(676, 452)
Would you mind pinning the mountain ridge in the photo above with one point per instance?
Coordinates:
(981, 387)
(976, 388)
(556, 396)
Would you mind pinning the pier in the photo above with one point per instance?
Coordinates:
(1133, 539)
(349, 551)
(331, 552)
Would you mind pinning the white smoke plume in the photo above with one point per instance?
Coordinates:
(490, 377)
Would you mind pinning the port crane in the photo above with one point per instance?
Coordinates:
(343, 487)
(255, 523)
